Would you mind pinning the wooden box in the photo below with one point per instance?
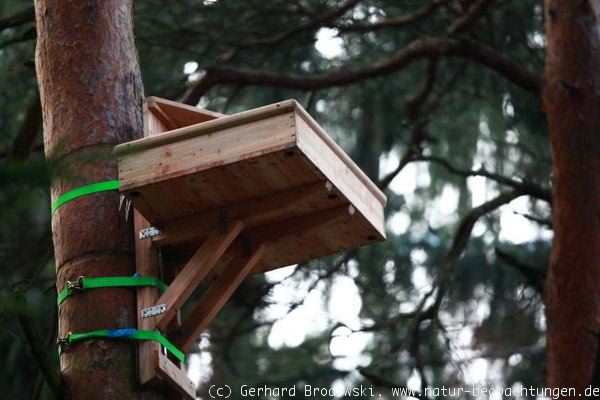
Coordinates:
(272, 167)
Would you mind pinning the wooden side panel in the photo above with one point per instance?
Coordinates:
(206, 151)
(179, 114)
(338, 172)
(152, 123)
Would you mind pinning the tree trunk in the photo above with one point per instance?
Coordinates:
(572, 103)
(91, 92)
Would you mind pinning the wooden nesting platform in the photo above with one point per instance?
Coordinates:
(234, 194)
(274, 168)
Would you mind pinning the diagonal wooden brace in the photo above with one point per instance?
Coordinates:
(194, 271)
(216, 296)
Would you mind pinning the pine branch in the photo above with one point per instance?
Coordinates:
(279, 38)
(37, 345)
(30, 127)
(459, 244)
(414, 101)
(534, 277)
(420, 48)
(525, 187)
(396, 22)
(18, 19)
(470, 15)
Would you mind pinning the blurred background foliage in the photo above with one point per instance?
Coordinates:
(453, 295)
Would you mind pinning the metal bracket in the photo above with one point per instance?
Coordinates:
(149, 232)
(152, 311)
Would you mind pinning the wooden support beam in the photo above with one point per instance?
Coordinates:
(253, 212)
(174, 376)
(303, 225)
(194, 271)
(216, 296)
(146, 263)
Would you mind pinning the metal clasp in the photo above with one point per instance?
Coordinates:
(75, 286)
(63, 342)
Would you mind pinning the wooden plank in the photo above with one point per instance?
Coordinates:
(252, 212)
(216, 296)
(194, 271)
(204, 151)
(367, 198)
(304, 225)
(204, 128)
(174, 376)
(146, 264)
(339, 152)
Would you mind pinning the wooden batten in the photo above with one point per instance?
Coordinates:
(146, 261)
(173, 375)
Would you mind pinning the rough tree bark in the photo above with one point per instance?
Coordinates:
(91, 92)
(572, 102)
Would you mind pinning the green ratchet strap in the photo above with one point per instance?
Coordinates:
(112, 281)
(71, 338)
(84, 190)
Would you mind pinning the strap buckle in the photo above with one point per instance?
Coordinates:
(63, 343)
(75, 286)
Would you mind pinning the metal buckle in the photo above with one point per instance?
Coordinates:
(75, 286)
(63, 342)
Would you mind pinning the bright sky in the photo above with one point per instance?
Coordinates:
(344, 305)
